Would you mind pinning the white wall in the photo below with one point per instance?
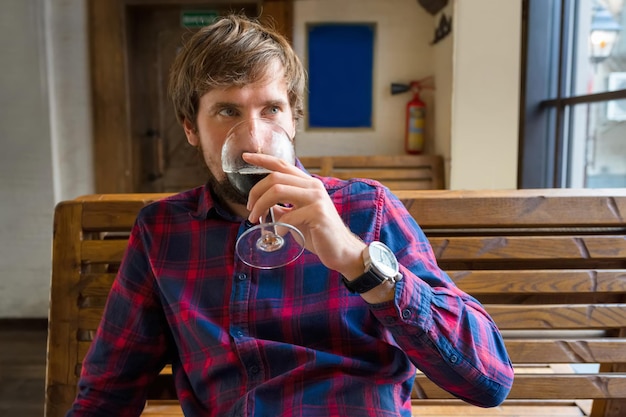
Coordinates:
(402, 54)
(26, 194)
(70, 104)
(474, 108)
(441, 104)
(485, 94)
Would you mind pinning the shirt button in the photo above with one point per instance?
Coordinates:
(254, 369)
(239, 333)
(406, 314)
(242, 276)
(454, 358)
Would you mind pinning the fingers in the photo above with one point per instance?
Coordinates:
(309, 208)
(290, 191)
(272, 163)
(286, 185)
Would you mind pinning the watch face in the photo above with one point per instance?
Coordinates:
(383, 259)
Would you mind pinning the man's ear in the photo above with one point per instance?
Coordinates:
(191, 132)
(294, 129)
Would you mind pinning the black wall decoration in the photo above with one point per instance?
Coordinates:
(444, 28)
(433, 6)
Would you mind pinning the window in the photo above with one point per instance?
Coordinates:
(573, 112)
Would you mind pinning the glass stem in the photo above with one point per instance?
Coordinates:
(270, 240)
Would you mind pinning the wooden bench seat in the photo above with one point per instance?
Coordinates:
(549, 266)
(398, 172)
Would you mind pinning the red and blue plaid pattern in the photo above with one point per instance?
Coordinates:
(286, 342)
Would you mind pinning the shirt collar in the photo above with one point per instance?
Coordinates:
(209, 206)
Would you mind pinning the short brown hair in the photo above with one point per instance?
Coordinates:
(233, 51)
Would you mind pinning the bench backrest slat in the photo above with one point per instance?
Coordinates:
(518, 208)
(557, 316)
(544, 281)
(574, 350)
(398, 172)
(551, 386)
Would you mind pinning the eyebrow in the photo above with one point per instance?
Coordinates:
(221, 104)
(266, 103)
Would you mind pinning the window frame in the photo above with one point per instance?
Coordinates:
(546, 93)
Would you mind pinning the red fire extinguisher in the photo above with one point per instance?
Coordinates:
(415, 122)
(414, 139)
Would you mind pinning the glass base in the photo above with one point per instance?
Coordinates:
(270, 242)
(270, 245)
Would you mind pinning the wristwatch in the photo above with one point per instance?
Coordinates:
(380, 265)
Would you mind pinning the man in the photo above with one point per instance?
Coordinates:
(326, 335)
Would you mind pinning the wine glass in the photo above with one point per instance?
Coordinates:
(269, 244)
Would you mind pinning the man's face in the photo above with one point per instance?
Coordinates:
(221, 109)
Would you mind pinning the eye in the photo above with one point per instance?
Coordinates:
(228, 112)
(273, 110)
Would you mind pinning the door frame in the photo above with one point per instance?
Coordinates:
(115, 167)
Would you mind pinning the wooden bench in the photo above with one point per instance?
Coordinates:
(549, 265)
(398, 172)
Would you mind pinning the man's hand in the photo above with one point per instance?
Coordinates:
(310, 209)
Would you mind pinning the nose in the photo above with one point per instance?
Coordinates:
(254, 126)
(259, 133)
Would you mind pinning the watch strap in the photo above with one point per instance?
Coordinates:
(364, 283)
(371, 278)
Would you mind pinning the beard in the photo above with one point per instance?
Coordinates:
(222, 190)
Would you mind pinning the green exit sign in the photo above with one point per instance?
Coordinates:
(197, 18)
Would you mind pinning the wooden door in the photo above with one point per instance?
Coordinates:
(165, 162)
(139, 146)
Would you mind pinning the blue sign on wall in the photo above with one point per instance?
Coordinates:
(340, 66)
